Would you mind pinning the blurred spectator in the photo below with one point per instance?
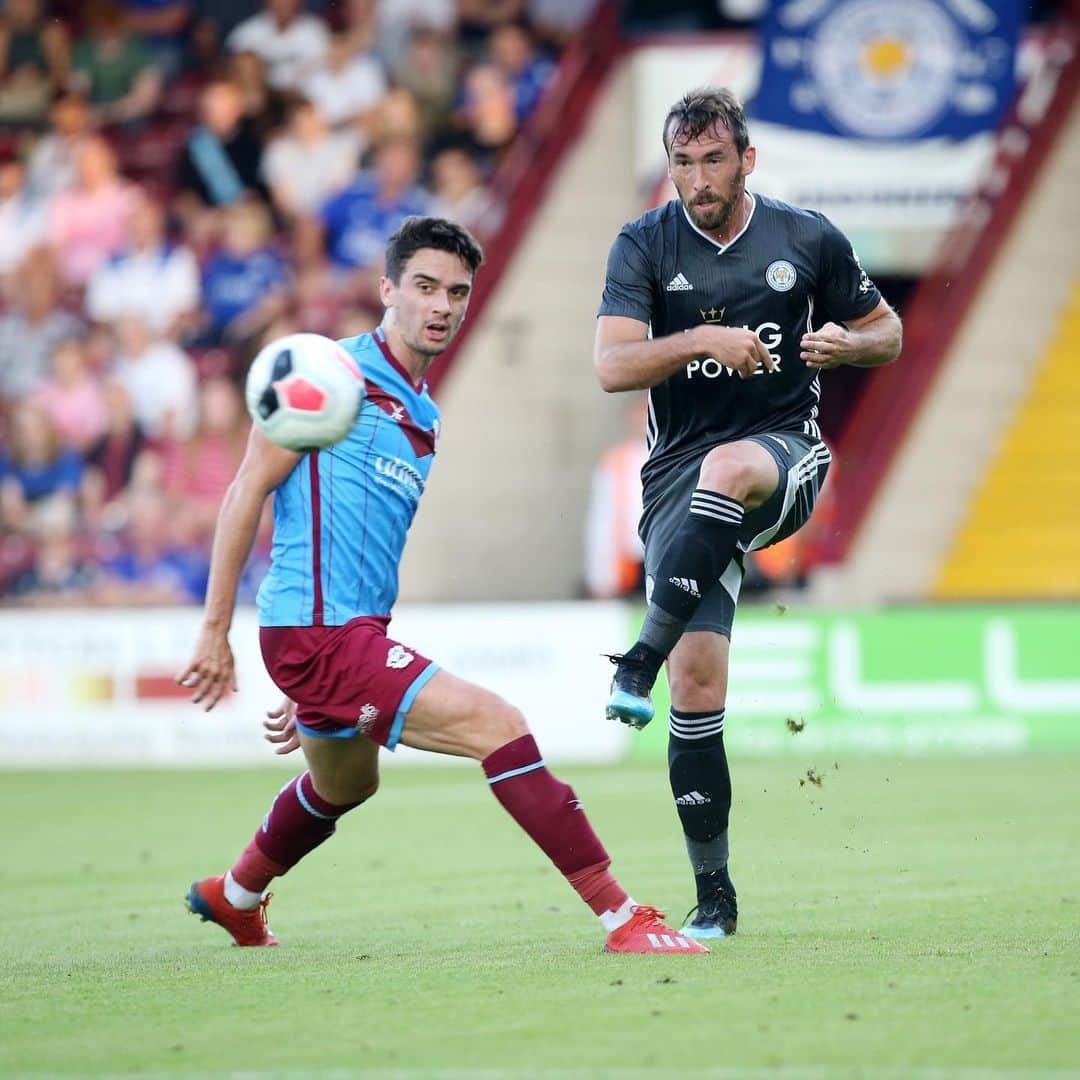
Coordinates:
(309, 163)
(244, 282)
(489, 111)
(88, 224)
(218, 18)
(34, 60)
(396, 20)
(397, 117)
(112, 458)
(320, 294)
(113, 69)
(34, 466)
(349, 85)
(52, 166)
(150, 279)
(160, 380)
(199, 470)
(22, 217)
(429, 72)
(556, 21)
(360, 218)
(460, 193)
(261, 109)
(223, 154)
(162, 26)
(153, 567)
(528, 72)
(31, 330)
(73, 397)
(61, 573)
(614, 556)
(292, 42)
(478, 18)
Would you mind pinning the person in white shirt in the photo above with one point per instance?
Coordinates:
(309, 163)
(349, 85)
(160, 379)
(151, 279)
(22, 218)
(292, 42)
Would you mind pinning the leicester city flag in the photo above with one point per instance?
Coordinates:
(888, 69)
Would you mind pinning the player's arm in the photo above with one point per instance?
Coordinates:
(626, 358)
(869, 341)
(265, 467)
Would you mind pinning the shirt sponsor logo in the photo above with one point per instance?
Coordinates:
(781, 275)
(679, 284)
(399, 475)
(709, 367)
(399, 657)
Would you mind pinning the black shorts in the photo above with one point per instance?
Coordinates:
(803, 463)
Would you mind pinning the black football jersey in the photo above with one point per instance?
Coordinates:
(789, 271)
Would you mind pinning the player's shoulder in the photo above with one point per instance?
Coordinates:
(797, 220)
(653, 223)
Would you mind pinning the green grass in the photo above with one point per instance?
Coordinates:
(906, 919)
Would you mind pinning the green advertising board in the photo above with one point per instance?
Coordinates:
(909, 681)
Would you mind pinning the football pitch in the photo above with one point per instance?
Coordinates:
(906, 918)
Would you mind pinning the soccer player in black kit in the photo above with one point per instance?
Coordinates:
(726, 306)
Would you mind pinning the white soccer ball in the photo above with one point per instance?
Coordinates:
(304, 391)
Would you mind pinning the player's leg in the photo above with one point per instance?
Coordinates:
(732, 479)
(699, 774)
(452, 716)
(342, 773)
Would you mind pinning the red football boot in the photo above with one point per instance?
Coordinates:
(646, 932)
(206, 898)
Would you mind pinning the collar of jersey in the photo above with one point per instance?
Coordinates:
(721, 248)
(384, 347)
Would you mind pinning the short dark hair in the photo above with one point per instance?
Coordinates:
(416, 233)
(701, 110)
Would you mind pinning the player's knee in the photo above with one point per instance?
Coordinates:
(500, 723)
(696, 685)
(729, 473)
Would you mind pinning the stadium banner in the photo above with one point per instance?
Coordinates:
(921, 680)
(882, 116)
(98, 687)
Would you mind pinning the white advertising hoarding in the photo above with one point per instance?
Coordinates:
(97, 687)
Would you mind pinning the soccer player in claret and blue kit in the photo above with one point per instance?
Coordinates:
(340, 520)
(727, 307)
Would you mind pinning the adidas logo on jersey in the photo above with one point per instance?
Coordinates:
(693, 798)
(679, 284)
(686, 584)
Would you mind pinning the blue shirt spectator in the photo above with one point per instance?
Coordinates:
(359, 220)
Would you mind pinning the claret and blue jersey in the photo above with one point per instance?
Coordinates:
(342, 515)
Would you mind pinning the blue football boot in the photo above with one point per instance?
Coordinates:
(630, 702)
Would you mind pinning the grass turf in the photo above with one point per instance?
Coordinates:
(905, 918)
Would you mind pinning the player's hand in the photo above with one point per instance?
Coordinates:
(281, 727)
(741, 350)
(212, 670)
(827, 347)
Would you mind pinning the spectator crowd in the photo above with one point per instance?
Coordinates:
(181, 181)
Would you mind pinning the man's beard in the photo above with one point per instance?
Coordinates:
(718, 218)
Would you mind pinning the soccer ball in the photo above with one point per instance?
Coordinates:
(304, 391)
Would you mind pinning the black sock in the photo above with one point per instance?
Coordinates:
(701, 785)
(692, 564)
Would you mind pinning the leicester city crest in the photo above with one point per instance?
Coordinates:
(781, 275)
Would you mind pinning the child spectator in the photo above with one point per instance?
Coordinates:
(160, 380)
(460, 193)
(73, 397)
(244, 282)
(88, 224)
(528, 72)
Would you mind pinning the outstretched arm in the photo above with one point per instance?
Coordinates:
(265, 467)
